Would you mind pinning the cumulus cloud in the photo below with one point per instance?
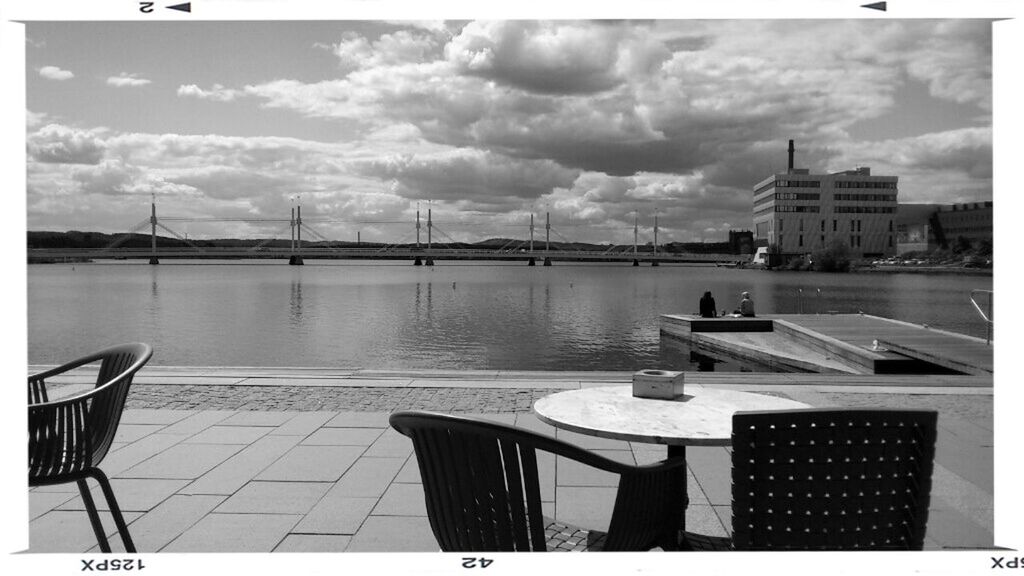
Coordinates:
(125, 79)
(55, 73)
(554, 57)
(217, 93)
(59, 144)
(404, 46)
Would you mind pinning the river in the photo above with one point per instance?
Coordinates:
(392, 315)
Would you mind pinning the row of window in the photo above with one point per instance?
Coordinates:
(797, 208)
(854, 240)
(855, 225)
(817, 184)
(866, 197)
(864, 209)
(861, 184)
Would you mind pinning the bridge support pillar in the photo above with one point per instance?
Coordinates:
(295, 260)
(655, 263)
(430, 261)
(636, 262)
(154, 260)
(532, 262)
(547, 261)
(417, 261)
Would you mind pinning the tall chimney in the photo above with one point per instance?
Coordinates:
(791, 150)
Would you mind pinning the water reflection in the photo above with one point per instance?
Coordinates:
(295, 302)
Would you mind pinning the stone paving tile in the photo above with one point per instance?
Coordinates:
(952, 491)
(368, 477)
(133, 495)
(410, 472)
(534, 424)
(152, 415)
(235, 533)
(587, 507)
(169, 520)
(402, 500)
(967, 459)
(40, 503)
(704, 520)
(313, 543)
(337, 515)
(360, 420)
(133, 432)
(712, 469)
(390, 443)
(70, 531)
(229, 435)
(394, 534)
(197, 422)
(275, 498)
(573, 473)
(117, 462)
(188, 461)
(234, 472)
(303, 423)
(343, 437)
(274, 419)
(312, 463)
(951, 529)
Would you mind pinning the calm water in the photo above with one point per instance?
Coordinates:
(453, 316)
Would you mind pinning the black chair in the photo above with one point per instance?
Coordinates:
(67, 438)
(482, 490)
(829, 479)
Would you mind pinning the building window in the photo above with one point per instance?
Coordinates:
(853, 225)
(822, 239)
(890, 240)
(835, 223)
(822, 225)
(801, 224)
(858, 225)
(780, 224)
(800, 240)
(780, 240)
(890, 228)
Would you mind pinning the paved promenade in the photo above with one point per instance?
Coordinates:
(302, 460)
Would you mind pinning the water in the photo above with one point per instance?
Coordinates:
(449, 316)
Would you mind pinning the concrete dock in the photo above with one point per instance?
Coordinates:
(835, 343)
(302, 460)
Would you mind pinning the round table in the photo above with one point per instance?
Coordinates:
(699, 417)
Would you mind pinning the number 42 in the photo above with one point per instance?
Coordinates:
(476, 562)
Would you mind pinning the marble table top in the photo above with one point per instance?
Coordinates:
(700, 417)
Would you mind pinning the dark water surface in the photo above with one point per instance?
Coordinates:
(450, 316)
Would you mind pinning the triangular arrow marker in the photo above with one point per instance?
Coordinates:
(875, 6)
(187, 7)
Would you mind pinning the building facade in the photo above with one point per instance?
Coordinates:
(926, 227)
(798, 212)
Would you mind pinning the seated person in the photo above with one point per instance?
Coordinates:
(746, 305)
(707, 306)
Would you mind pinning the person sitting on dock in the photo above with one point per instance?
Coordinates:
(746, 305)
(707, 306)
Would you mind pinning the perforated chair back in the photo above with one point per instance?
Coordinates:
(482, 490)
(832, 479)
(70, 435)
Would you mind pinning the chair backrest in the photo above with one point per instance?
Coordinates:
(480, 482)
(824, 479)
(69, 435)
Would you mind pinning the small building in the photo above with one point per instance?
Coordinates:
(797, 212)
(926, 227)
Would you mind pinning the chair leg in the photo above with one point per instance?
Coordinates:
(94, 516)
(115, 510)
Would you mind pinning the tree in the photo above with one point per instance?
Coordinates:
(833, 258)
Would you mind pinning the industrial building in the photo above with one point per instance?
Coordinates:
(796, 212)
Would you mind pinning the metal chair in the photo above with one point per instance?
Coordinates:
(829, 479)
(482, 490)
(68, 438)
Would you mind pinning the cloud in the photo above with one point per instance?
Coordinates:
(469, 176)
(356, 52)
(58, 144)
(554, 57)
(127, 80)
(217, 93)
(55, 73)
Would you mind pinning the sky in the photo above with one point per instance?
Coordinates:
(599, 123)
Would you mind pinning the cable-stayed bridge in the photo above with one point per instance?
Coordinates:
(417, 245)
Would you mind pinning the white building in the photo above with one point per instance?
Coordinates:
(799, 212)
